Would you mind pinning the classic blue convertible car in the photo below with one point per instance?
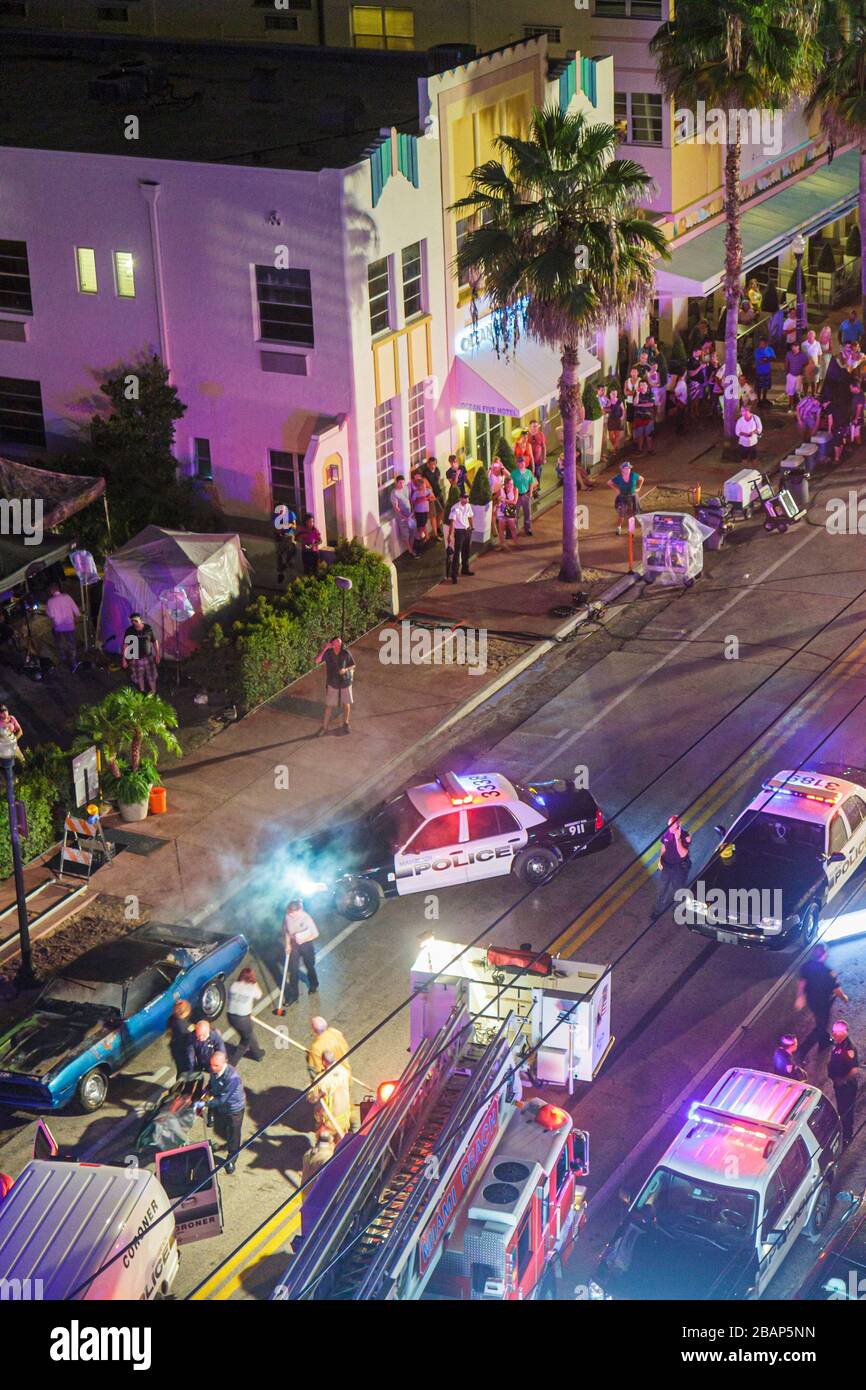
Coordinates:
(108, 1006)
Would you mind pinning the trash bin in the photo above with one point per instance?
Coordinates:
(795, 477)
(809, 454)
(824, 441)
(157, 803)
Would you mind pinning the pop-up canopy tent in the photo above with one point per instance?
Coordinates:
(61, 494)
(211, 570)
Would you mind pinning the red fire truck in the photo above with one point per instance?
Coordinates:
(454, 1188)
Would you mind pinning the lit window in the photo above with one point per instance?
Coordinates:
(418, 423)
(379, 287)
(380, 26)
(413, 280)
(85, 259)
(384, 432)
(124, 274)
(201, 455)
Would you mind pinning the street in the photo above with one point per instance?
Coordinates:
(664, 721)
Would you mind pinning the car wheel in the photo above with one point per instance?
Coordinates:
(92, 1090)
(809, 924)
(213, 999)
(537, 866)
(820, 1211)
(769, 525)
(358, 899)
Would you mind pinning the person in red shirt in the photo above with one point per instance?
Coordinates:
(309, 540)
(9, 724)
(537, 447)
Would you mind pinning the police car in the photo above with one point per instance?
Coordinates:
(455, 830)
(784, 859)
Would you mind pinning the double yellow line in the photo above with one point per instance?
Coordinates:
(273, 1236)
(710, 802)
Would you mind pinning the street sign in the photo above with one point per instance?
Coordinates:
(85, 776)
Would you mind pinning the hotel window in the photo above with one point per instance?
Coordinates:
(381, 26)
(413, 280)
(15, 295)
(288, 487)
(418, 423)
(628, 9)
(124, 274)
(463, 226)
(285, 301)
(488, 432)
(202, 459)
(535, 31)
(383, 424)
(379, 287)
(85, 261)
(21, 418)
(638, 115)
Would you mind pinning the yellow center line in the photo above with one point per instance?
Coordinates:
(226, 1278)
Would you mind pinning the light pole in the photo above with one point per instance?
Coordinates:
(798, 246)
(25, 976)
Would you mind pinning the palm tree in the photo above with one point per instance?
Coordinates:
(840, 93)
(736, 55)
(559, 249)
(127, 720)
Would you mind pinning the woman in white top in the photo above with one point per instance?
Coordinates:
(243, 994)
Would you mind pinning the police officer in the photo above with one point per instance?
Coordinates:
(674, 863)
(227, 1103)
(842, 1071)
(784, 1058)
(818, 987)
(207, 1042)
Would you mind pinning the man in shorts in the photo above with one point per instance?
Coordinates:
(339, 671)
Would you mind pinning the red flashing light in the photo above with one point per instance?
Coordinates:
(385, 1091)
(551, 1117)
(599, 819)
(461, 800)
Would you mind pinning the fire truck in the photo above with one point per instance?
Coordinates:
(453, 1188)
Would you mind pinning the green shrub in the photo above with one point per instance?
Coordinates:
(39, 794)
(480, 493)
(679, 356)
(591, 404)
(505, 454)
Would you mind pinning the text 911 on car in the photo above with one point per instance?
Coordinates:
(457, 829)
(787, 856)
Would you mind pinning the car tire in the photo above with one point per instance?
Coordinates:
(535, 867)
(820, 1211)
(809, 924)
(358, 899)
(92, 1090)
(213, 1000)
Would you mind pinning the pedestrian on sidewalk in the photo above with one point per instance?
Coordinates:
(459, 538)
(764, 359)
(332, 1091)
(857, 404)
(506, 514)
(300, 934)
(842, 1069)
(644, 418)
(525, 485)
(630, 394)
(537, 450)
(850, 329)
(339, 677)
(181, 1038)
(817, 989)
(795, 363)
(318, 1154)
(679, 398)
(433, 476)
(521, 449)
(789, 327)
(141, 653)
(285, 537)
(808, 416)
(627, 484)
(811, 349)
(227, 1103)
(615, 420)
(207, 1041)
(403, 515)
(421, 499)
(673, 865)
(9, 725)
(748, 430)
(243, 993)
(64, 613)
(785, 1058)
(461, 477)
(825, 338)
(309, 539)
(325, 1039)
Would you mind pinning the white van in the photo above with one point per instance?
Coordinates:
(62, 1223)
(750, 1171)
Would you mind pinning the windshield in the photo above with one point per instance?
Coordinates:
(698, 1209)
(770, 833)
(398, 821)
(67, 990)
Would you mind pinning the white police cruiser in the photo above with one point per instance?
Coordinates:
(455, 830)
(783, 859)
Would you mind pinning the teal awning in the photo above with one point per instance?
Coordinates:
(698, 267)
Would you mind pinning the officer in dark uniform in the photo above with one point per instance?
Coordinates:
(674, 863)
(784, 1058)
(207, 1042)
(819, 986)
(227, 1099)
(842, 1071)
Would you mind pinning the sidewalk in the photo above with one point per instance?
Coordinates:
(268, 778)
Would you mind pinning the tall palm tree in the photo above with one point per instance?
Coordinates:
(559, 249)
(840, 94)
(736, 55)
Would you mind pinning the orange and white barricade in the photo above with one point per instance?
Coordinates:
(89, 841)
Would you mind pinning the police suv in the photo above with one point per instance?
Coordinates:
(783, 859)
(455, 830)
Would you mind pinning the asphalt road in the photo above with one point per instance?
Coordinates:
(665, 718)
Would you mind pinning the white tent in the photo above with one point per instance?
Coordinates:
(212, 571)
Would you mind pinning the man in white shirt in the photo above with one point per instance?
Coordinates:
(459, 540)
(812, 349)
(748, 430)
(299, 937)
(63, 612)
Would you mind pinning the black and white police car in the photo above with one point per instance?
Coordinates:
(783, 859)
(455, 830)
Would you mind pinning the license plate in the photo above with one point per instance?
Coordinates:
(728, 938)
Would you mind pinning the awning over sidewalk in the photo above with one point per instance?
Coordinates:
(511, 385)
(698, 267)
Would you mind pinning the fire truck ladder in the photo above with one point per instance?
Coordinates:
(375, 1207)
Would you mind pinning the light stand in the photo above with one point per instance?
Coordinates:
(25, 976)
(798, 245)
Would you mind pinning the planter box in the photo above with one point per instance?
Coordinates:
(136, 811)
(590, 437)
(482, 520)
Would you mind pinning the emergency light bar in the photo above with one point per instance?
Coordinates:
(805, 792)
(457, 793)
(699, 1111)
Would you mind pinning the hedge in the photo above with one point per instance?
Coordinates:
(275, 641)
(40, 797)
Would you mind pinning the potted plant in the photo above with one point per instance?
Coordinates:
(131, 791)
(126, 728)
(480, 498)
(592, 428)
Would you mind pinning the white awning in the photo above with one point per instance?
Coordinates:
(514, 384)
